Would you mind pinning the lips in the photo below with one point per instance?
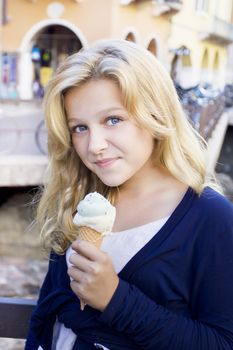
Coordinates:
(104, 163)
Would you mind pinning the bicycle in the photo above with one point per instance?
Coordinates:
(41, 137)
(11, 136)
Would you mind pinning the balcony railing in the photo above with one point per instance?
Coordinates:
(161, 7)
(220, 31)
(128, 2)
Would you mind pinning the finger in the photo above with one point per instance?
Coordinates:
(75, 274)
(87, 249)
(77, 289)
(80, 284)
(79, 261)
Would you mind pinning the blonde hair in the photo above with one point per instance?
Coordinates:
(149, 96)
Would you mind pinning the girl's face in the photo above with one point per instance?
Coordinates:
(107, 140)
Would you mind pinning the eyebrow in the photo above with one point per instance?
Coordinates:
(103, 111)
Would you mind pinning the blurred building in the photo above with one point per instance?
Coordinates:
(190, 38)
(201, 34)
(36, 35)
(229, 78)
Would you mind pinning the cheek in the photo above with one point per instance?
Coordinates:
(143, 142)
(79, 147)
(144, 150)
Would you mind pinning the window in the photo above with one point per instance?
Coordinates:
(201, 5)
(3, 13)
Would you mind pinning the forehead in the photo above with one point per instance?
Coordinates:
(93, 97)
(93, 85)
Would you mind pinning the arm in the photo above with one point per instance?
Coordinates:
(153, 326)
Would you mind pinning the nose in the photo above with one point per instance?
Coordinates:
(97, 141)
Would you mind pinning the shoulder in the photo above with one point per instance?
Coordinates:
(210, 214)
(215, 204)
(214, 219)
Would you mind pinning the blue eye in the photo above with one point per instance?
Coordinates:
(78, 129)
(113, 120)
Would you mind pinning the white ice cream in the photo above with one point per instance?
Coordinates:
(95, 211)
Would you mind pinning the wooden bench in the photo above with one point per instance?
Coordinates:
(15, 315)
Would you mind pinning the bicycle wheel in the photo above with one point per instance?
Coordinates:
(41, 137)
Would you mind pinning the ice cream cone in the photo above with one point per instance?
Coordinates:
(88, 234)
(94, 219)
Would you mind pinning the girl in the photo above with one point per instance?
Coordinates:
(163, 278)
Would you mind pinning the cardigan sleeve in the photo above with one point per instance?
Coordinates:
(32, 340)
(152, 326)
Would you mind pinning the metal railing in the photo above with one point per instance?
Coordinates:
(222, 28)
(15, 316)
(204, 105)
(218, 30)
(174, 1)
(205, 117)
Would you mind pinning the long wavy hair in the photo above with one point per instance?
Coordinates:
(149, 96)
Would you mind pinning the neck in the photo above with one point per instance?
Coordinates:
(145, 183)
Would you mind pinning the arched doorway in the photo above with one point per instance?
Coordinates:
(216, 61)
(131, 34)
(216, 70)
(152, 47)
(205, 59)
(181, 67)
(131, 37)
(43, 49)
(205, 72)
(49, 47)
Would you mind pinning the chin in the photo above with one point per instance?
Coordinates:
(112, 182)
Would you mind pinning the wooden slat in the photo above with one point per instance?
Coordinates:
(15, 315)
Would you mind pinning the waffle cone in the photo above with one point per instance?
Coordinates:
(88, 234)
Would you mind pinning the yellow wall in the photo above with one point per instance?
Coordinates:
(94, 18)
(188, 29)
(141, 18)
(91, 17)
(90, 20)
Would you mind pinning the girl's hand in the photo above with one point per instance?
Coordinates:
(94, 278)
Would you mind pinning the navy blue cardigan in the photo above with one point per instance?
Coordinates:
(176, 293)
